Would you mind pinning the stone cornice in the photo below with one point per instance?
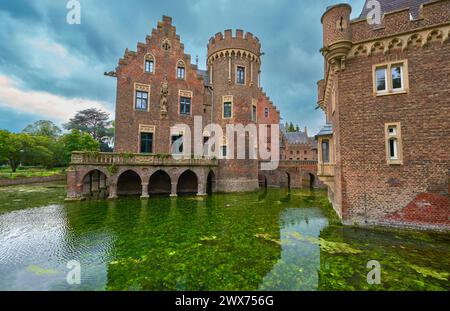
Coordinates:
(417, 38)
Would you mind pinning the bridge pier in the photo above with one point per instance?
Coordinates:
(173, 192)
(144, 191)
(201, 189)
(112, 191)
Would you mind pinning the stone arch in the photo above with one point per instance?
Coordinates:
(160, 183)
(396, 43)
(211, 184)
(285, 180)
(187, 182)
(435, 35)
(415, 40)
(377, 47)
(94, 183)
(308, 180)
(262, 180)
(360, 50)
(129, 182)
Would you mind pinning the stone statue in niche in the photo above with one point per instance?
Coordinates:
(164, 95)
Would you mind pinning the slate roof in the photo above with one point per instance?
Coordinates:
(394, 5)
(327, 129)
(205, 75)
(294, 137)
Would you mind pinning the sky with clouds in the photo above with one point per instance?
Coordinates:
(50, 69)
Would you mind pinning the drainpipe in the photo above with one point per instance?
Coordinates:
(211, 89)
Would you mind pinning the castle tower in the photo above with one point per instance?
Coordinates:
(337, 35)
(234, 67)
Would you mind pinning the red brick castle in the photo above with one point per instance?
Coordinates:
(385, 152)
(157, 89)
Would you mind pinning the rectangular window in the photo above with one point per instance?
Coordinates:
(240, 75)
(393, 153)
(381, 80)
(397, 77)
(177, 144)
(391, 78)
(266, 112)
(141, 100)
(254, 113)
(180, 73)
(393, 143)
(224, 151)
(325, 151)
(185, 105)
(146, 142)
(148, 66)
(227, 109)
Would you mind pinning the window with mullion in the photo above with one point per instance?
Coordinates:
(181, 73)
(149, 66)
(185, 106)
(177, 144)
(141, 100)
(227, 107)
(146, 142)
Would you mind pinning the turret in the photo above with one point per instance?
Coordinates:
(234, 67)
(228, 51)
(337, 34)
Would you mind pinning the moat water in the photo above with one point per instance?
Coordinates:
(273, 240)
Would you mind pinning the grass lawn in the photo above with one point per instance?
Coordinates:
(26, 172)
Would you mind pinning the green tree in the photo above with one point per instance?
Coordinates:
(77, 141)
(94, 122)
(43, 128)
(291, 127)
(17, 148)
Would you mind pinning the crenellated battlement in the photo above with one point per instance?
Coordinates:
(240, 41)
(430, 14)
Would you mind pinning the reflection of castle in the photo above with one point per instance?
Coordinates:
(157, 90)
(384, 153)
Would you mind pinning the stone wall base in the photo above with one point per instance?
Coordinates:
(237, 185)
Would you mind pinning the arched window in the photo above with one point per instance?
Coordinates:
(149, 63)
(181, 70)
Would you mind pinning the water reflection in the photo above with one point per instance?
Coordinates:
(271, 240)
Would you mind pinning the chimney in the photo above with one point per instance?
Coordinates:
(306, 131)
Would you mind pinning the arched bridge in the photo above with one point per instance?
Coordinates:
(291, 174)
(113, 175)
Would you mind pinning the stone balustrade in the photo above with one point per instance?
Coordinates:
(109, 158)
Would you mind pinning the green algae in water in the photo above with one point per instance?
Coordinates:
(430, 272)
(274, 240)
(39, 271)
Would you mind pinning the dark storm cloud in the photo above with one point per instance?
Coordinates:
(39, 49)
